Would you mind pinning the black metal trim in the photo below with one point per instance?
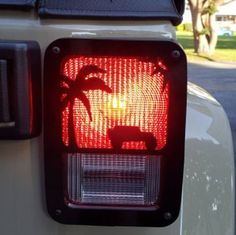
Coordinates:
(116, 9)
(23, 89)
(17, 4)
(172, 155)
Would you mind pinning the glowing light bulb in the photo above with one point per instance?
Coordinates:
(118, 102)
(114, 103)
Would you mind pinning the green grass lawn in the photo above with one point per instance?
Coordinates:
(225, 49)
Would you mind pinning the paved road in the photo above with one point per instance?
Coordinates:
(220, 80)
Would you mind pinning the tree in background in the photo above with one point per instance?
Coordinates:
(204, 24)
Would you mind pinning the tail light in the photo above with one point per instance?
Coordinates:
(114, 131)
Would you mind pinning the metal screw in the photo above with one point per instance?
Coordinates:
(167, 216)
(56, 50)
(175, 54)
(58, 212)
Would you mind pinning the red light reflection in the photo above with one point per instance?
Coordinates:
(137, 100)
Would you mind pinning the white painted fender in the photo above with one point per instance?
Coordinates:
(208, 184)
(208, 192)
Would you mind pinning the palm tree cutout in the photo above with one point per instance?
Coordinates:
(73, 89)
(158, 67)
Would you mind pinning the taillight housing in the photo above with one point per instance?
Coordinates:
(114, 131)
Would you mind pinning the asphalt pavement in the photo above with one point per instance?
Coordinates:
(219, 79)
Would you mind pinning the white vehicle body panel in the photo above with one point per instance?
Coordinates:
(208, 185)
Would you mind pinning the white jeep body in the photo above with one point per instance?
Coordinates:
(208, 183)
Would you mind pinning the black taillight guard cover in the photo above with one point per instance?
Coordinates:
(172, 155)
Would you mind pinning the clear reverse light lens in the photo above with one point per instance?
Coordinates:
(113, 179)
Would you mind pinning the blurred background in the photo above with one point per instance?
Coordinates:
(208, 30)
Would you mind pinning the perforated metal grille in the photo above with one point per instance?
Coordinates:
(117, 95)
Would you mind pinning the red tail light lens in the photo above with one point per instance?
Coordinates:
(114, 123)
(122, 95)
